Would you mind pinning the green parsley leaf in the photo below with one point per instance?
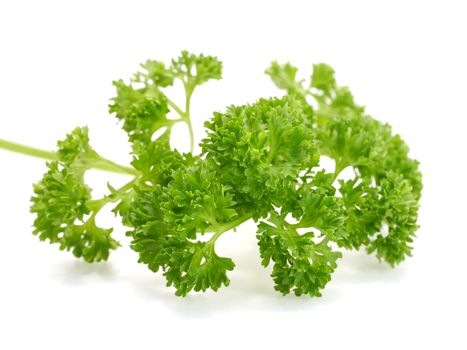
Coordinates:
(63, 204)
(300, 264)
(260, 149)
(386, 179)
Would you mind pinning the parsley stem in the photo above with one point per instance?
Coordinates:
(104, 164)
(30, 151)
(97, 204)
(185, 116)
(222, 228)
(338, 169)
(188, 119)
(175, 108)
(108, 165)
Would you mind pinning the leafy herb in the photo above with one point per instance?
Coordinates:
(259, 162)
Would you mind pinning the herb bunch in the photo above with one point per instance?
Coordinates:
(259, 162)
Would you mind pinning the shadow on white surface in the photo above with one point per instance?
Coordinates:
(357, 267)
(78, 272)
(251, 287)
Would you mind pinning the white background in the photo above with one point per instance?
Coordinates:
(406, 61)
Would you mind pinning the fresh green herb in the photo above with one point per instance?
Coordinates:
(259, 162)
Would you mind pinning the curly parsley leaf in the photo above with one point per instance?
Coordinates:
(194, 70)
(63, 204)
(260, 149)
(168, 221)
(143, 110)
(143, 106)
(383, 169)
(284, 76)
(300, 264)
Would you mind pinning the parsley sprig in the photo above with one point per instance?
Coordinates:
(259, 162)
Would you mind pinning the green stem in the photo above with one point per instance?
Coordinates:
(218, 230)
(222, 228)
(187, 118)
(103, 164)
(97, 204)
(128, 185)
(175, 108)
(214, 238)
(30, 151)
(192, 136)
(108, 165)
(338, 169)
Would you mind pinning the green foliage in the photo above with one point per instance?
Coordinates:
(399, 206)
(195, 201)
(300, 264)
(143, 110)
(63, 205)
(260, 149)
(352, 138)
(187, 265)
(363, 214)
(142, 105)
(323, 211)
(285, 77)
(156, 161)
(259, 161)
(168, 219)
(75, 149)
(194, 70)
(323, 78)
(387, 184)
(60, 199)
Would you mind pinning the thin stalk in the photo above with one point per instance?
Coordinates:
(104, 164)
(222, 228)
(175, 108)
(338, 169)
(187, 118)
(108, 165)
(27, 150)
(231, 225)
(128, 185)
(97, 204)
